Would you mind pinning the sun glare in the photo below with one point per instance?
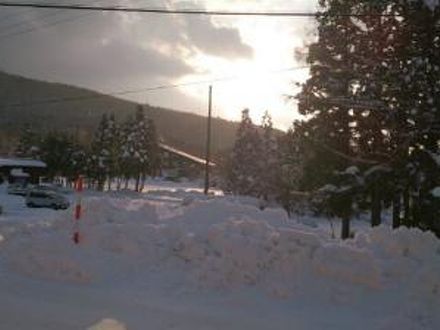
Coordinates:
(259, 83)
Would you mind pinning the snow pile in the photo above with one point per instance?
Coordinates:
(45, 255)
(223, 244)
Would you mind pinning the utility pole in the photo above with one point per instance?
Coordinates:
(208, 142)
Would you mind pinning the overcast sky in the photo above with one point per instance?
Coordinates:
(113, 52)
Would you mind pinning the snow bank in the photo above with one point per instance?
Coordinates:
(224, 244)
(38, 259)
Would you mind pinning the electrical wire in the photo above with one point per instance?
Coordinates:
(166, 11)
(36, 28)
(48, 24)
(142, 90)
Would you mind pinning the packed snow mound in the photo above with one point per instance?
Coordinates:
(224, 244)
(41, 262)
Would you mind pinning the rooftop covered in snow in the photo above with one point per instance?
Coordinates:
(21, 162)
(186, 155)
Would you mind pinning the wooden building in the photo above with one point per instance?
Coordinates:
(179, 164)
(21, 169)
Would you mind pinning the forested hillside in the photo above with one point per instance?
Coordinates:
(50, 106)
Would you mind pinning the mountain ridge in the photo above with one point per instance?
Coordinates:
(49, 106)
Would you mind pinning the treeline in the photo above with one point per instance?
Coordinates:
(117, 153)
(371, 136)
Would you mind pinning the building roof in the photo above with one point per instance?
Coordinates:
(21, 162)
(185, 154)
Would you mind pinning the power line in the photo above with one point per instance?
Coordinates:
(35, 28)
(141, 90)
(48, 24)
(22, 23)
(180, 11)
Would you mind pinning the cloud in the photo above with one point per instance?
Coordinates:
(113, 52)
(93, 48)
(216, 40)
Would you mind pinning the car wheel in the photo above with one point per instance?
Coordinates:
(30, 205)
(55, 207)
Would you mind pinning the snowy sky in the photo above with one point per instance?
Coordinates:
(113, 52)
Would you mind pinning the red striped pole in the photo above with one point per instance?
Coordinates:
(77, 214)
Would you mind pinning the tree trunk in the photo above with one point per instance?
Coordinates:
(138, 179)
(376, 206)
(406, 207)
(345, 232)
(396, 209)
(416, 209)
(142, 182)
(109, 183)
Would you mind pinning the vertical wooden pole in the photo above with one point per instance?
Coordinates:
(208, 142)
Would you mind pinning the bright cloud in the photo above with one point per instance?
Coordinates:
(114, 51)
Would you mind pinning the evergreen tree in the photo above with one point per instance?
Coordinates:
(127, 159)
(153, 148)
(269, 161)
(99, 162)
(56, 152)
(243, 177)
(112, 141)
(28, 144)
(141, 145)
(78, 162)
(372, 100)
(292, 157)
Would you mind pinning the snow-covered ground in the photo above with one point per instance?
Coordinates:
(173, 258)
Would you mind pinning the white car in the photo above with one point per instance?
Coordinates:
(53, 187)
(46, 198)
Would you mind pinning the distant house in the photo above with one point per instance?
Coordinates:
(177, 163)
(21, 169)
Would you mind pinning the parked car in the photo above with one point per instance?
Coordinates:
(46, 198)
(17, 189)
(53, 187)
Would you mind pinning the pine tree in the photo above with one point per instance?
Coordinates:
(381, 70)
(269, 161)
(78, 164)
(325, 96)
(141, 147)
(127, 150)
(292, 157)
(56, 152)
(28, 144)
(112, 142)
(153, 148)
(99, 154)
(243, 177)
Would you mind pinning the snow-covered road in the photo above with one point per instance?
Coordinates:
(181, 260)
